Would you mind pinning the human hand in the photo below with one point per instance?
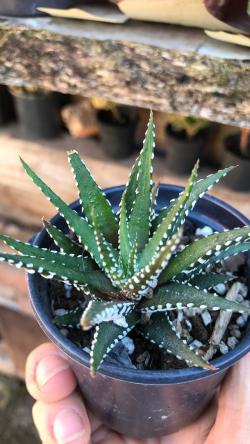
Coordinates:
(61, 417)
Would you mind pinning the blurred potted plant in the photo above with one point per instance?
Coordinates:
(29, 7)
(236, 151)
(38, 111)
(117, 127)
(186, 137)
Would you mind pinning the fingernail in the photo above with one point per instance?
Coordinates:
(68, 427)
(49, 367)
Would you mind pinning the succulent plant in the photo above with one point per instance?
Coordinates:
(190, 124)
(130, 264)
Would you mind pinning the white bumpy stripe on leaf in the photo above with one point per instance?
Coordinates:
(97, 312)
(148, 277)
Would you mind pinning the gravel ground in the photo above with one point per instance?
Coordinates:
(16, 425)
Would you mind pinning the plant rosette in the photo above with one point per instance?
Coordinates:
(135, 276)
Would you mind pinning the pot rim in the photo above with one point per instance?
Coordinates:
(175, 376)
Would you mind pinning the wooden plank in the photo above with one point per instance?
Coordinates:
(167, 68)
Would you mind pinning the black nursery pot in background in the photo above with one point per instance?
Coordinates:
(25, 8)
(39, 114)
(239, 178)
(7, 112)
(182, 152)
(117, 138)
(137, 402)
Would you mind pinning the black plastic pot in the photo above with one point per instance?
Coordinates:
(39, 114)
(18, 8)
(239, 178)
(7, 112)
(134, 402)
(117, 138)
(182, 152)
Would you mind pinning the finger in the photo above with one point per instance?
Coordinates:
(232, 424)
(62, 422)
(48, 374)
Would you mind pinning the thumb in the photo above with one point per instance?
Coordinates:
(232, 425)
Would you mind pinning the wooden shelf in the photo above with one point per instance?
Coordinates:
(163, 67)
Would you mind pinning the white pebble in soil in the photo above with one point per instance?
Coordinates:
(243, 290)
(242, 320)
(60, 312)
(220, 289)
(235, 332)
(223, 348)
(188, 324)
(232, 342)
(239, 298)
(204, 231)
(206, 318)
(196, 344)
(129, 345)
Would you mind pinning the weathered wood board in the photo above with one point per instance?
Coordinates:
(163, 67)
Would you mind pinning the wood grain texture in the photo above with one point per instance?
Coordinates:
(163, 67)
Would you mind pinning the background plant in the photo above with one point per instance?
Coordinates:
(191, 125)
(129, 263)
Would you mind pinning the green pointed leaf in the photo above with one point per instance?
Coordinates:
(143, 194)
(160, 332)
(210, 248)
(179, 296)
(78, 224)
(98, 311)
(205, 264)
(131, 187)
(61, 240)
(132, 260)
(148, 276)
(170, 224)
(109, 256)
(70, 319)
(198, 191)
(59, 271)
(205, 281)
(78, 262)
(106, 336)
(124, 240)
(91, 196)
